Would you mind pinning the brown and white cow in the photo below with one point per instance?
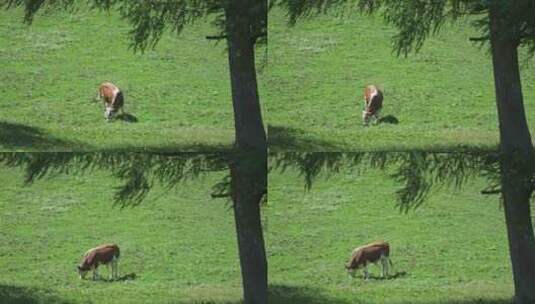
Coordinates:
(373, 102)
(107, 254)
(112, 97)
(378, 251)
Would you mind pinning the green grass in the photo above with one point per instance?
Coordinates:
(50, 71)
(443, 97)
(180, 243)
(453, 249)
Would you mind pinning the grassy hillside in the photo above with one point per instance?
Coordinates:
(50, 71)
(453, 249)
(442, 97)
(180, 244)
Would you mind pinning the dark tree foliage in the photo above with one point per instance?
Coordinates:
(138, 172)
(417, 173)
(416, 20)
(150, 19)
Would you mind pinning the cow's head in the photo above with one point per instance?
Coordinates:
(350, 270)
(82, 272)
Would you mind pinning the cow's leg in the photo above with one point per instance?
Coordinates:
(365, 271)
(108, 112)
(384, 264)
(387, 263)
(114, 265)
(364, 118)
(95, 273)
(377, 116)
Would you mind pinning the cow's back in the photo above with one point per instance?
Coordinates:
(371, 252)
(119, 100)
(102, 254)
(107, 253)
(108, 90)
(374, 99)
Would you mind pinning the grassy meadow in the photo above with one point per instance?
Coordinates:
(178, 246)
(442, 98)
(453, 249)
(177, 96)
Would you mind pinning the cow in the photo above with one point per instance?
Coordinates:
(378, 251)
(113, 99)
(373, 102)
(107, 254)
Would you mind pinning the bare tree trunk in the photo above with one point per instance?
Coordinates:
(249, 172)
(249, 185)
(518, 160)
(250, 133)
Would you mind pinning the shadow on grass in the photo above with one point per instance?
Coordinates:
(389, 119)
(286, 294)
(127, 277)
(284, 139)
(126, 117)
(170, 149)
(377, 277)
(26, 295)
(15, 136)
(19, 137)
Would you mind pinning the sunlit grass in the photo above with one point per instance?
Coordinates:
(442, 97)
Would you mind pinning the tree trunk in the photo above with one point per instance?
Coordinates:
(249, 128)
(248, 186)
(518, 159)
(249, 171)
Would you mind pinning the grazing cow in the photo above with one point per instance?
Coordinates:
(107, 254)
(373, 102)
(113, 99)
(378, 251)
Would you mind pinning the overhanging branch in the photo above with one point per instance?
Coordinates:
(220, 195)
(479, 39)
(491, 192)
(218, 37)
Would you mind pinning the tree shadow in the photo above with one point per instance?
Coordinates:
(389, 119)
(26, 295)
(19, 137)
(287, 139)
(377, 277)
(170, 149)
(127, 117)
(14, 136)
(209, 302)
(287, 294)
